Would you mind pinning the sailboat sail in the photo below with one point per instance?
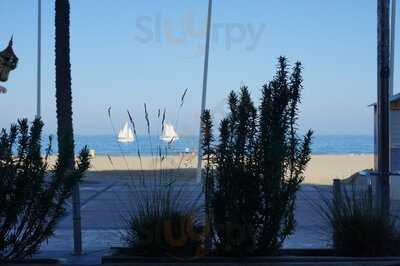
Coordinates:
(126, 134)
(169, 133)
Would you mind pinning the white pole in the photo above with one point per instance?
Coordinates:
(204, 96)
(39, 60)
(393, 46)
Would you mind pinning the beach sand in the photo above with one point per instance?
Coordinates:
(321, 170)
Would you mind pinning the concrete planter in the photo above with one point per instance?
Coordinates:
(31, 262)
(289, 257)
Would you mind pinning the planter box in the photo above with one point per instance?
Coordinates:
(31, 262)
(289, 257)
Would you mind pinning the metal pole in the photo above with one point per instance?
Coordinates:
(76, 212)
(383, 188)
(39, 60)
(392, 47)
(392, 66)
(204, 96)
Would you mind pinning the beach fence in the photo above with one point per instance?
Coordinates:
(356, 190)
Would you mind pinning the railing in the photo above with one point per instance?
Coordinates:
(339, 187)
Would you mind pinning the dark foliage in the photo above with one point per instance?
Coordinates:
(255, 169)
(163, 217)
(163, 223)
(357, 228)
(32, 197)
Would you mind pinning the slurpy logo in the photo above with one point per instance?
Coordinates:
(184, 30)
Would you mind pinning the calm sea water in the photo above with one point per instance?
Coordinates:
(107, 145)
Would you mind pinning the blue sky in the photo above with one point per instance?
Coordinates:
(122, 58)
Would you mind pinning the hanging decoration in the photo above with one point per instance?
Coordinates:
(8, 62)
(3, 90)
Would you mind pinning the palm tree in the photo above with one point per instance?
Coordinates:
(65, 132)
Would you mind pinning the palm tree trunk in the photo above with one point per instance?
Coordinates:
(65, 132)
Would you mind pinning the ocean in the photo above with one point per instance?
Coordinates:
(107, 145)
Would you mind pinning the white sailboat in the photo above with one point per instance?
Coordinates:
(169, 134)
(126, 135)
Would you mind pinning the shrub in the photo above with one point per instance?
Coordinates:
(256, 167)
(163, 221)
(357, 228)
(32, 196)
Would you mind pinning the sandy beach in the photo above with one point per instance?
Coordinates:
(321, 170)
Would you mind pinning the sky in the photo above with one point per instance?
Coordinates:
(125, 53)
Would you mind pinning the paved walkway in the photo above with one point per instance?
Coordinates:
(105, 203)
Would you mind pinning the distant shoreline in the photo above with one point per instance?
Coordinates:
(107, 145)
